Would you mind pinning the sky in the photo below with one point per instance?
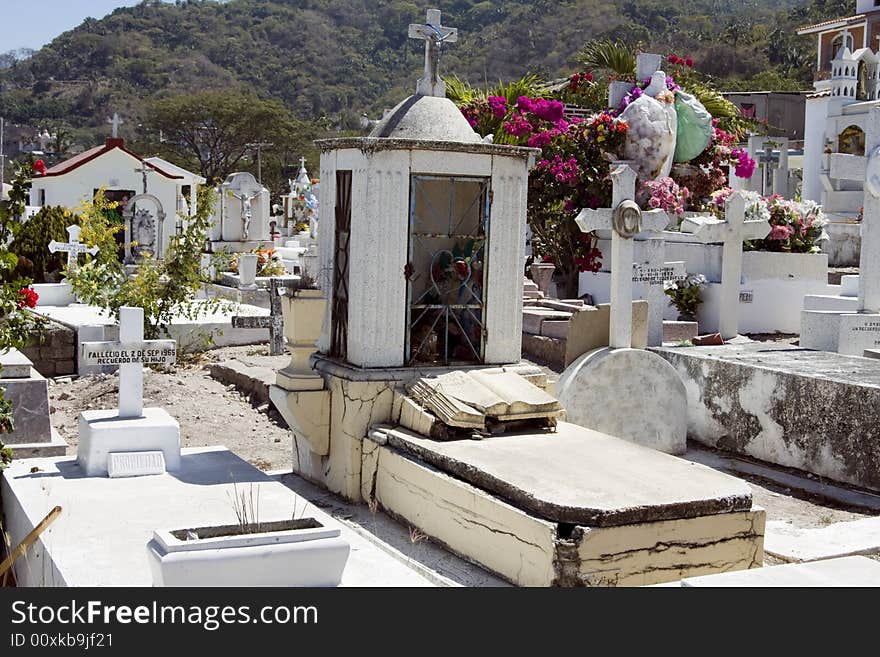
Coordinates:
(34, 23)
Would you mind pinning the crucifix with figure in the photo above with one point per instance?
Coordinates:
(143, 169)
(115, 122)
(626, 220)
(73, 248)
(435, 36)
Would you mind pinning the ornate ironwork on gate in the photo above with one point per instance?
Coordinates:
(448, 235)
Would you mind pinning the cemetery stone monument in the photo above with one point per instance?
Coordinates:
(845, 332)
(731, 232)
(130, 440)
(629, 393)
(244, 214)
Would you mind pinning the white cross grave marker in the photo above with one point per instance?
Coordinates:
(115, 122)
(435, 36)
(73, 248)
(867, 169)
(130, 353)
(626, 220)
(731, 233)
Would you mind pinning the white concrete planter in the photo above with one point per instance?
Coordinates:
(54, 294)
(287, 553)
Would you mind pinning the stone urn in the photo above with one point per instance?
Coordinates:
(542, 274)
(247, 271)
(303, 312)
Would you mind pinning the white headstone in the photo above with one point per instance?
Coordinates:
(73, 248)
(731, 233)
(626, 220)
(652, 274)
(130, 353)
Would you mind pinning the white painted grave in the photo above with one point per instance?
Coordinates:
(131, 428)
(846, 333)
(629, 393)
(652, 274)
(731, 233)
(73, 247)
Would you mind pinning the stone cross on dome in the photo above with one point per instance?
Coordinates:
(115, 122)
(435, 36)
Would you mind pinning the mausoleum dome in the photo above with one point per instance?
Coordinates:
(426, 118)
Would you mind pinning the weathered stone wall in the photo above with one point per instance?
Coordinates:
(53, 350)
(810, 410)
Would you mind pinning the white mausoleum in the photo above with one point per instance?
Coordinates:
(121, 173)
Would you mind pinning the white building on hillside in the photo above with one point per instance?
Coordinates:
(123, 175)
(847, 84)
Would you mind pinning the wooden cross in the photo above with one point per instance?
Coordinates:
(274, 321)
(435, 36)
(731, 232)
(626, 220)
(115, 122)
(867, 170)
(73, 248)
(130, 353)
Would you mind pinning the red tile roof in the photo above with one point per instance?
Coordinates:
(847, 20)
(87, 156)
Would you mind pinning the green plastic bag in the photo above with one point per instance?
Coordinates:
(694, 127)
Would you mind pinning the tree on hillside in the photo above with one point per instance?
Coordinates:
(217, 129)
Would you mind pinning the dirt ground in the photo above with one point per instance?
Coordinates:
(211, 413)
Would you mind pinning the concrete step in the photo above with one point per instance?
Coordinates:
(56, 447)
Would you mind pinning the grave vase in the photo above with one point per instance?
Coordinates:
(303, 312)
(542, 274)
(247, 271)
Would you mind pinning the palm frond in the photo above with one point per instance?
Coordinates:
(460, 91)
(607, 55)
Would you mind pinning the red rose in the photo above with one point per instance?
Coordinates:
(39, 167)
(29, 298)
(690, 62)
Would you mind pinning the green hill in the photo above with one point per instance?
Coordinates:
(339, 58)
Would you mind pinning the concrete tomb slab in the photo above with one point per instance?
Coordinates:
(580, 476)
(628, 393)
(101, 536)
(848, 571)
(102, 432)
(28, 392)
(15, 365)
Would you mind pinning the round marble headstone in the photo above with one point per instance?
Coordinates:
(629, 393)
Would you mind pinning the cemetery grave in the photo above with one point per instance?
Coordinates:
(393, 393)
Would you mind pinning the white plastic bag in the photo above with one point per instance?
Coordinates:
(650, 139)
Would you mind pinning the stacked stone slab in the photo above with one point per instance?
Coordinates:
(28, 391)
(53, 350)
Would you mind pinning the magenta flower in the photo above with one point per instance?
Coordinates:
(498, 105)
(745, 165)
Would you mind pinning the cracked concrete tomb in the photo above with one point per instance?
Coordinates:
(573, 507)
(811, 410)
